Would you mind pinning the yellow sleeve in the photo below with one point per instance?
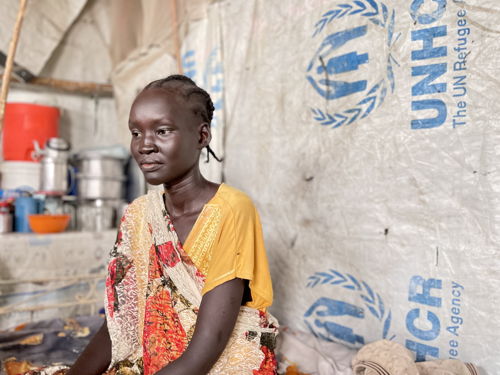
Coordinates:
(239, 252)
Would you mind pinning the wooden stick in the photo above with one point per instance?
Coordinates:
(175, 26)
(10, 59)
(86, 88)
(71, 87)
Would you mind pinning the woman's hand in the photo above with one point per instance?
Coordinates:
(217, 316)
(96, 357)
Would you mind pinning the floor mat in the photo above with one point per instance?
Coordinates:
(49, 341)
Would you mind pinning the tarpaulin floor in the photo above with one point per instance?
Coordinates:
(55, 341)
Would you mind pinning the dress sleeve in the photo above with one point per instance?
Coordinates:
(239, 252)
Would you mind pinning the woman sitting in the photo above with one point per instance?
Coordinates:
(188, 281)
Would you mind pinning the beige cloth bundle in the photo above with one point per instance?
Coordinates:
(386, 357)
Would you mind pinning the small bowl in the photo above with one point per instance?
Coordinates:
(42, 223)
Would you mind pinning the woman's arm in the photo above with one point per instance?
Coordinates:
(217, 316)
(96, 357)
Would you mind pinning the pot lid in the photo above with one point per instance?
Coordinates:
(58, 144)
(96, 155)
(81, 176)
(116, 152)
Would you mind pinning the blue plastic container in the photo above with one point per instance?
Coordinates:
(25, 206)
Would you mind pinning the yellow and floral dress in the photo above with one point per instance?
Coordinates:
(155, 285)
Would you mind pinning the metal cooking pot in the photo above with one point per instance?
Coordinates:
(99, 188)
(96, 215)
(95, 165)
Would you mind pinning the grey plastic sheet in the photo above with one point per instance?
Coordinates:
(61, 340)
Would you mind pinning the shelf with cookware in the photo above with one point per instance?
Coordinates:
(46, 187)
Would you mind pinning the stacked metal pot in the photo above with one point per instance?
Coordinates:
(100, 181)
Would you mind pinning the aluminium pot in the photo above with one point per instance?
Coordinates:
(96, 215)
(90, 187)
(95, 165)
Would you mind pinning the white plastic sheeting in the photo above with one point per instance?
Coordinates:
(202, 61)
(44, 25)
(365, 131)
(83, 52)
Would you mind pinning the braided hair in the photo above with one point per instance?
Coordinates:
(185, 86)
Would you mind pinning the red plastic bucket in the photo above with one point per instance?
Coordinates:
(25, 123)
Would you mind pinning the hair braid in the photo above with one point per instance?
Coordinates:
(187, 87)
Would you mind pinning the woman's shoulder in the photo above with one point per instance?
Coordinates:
(233, 199)
(139, 201)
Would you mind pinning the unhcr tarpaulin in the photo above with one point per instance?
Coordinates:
(366, 131)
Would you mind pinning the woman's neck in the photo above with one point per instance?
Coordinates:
(188, 195)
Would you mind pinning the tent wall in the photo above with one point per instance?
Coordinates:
(380, 202)
(45, 23)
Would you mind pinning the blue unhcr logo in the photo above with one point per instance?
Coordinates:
(213, 78)
(335, 320)
(332, 66)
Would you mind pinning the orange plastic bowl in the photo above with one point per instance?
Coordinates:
(42, 223)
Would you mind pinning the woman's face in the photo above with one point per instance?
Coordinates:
(167, 136)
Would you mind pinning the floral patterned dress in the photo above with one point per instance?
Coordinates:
(154, 288)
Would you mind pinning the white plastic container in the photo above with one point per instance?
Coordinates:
(15, 174)
(32, 97)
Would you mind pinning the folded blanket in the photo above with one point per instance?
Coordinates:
(312, 355)
(386, 357)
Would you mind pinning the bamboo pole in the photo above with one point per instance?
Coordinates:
(10, 59)
(175, 26)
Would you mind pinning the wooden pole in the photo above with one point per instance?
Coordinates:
(84, 88)
(175, 26)
(63, 85)
(10, 59)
